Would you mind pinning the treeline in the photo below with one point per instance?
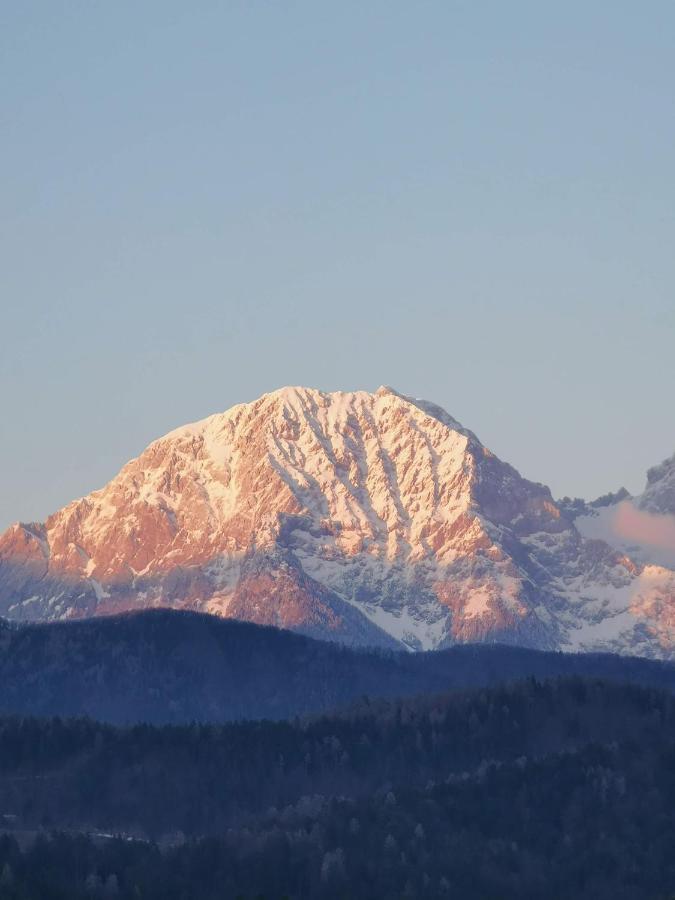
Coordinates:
(150, 781)
(596, 824)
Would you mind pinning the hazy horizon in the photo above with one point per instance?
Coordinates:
(471, 204)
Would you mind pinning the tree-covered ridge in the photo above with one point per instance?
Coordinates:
(559, 788)
(199, 779)
(167, 666)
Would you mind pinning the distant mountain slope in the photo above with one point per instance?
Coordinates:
(642, 527)
(168, 666)
(659, 494)
(374, 519)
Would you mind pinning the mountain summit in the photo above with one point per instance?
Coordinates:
(370, 518)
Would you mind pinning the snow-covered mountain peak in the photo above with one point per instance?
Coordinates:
(367, 517)
(642, 527)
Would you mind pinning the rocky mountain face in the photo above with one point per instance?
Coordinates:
(659, 495)
(373, 519)
(641, 527)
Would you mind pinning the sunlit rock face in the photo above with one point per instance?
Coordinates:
(369, 518)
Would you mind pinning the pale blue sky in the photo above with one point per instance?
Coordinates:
(471, 201)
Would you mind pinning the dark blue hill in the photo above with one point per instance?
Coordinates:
(165, 666)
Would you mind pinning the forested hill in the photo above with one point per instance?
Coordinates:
(165, 666)
(558, 789)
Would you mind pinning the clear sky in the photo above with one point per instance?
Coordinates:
(471, 201)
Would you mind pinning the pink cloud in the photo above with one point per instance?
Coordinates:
(636, 525)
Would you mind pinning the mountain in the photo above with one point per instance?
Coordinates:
(170, 666)
(371, 519)
(659, 494)
(642, 527)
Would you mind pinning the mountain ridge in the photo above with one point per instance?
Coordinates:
(368, 518)
(175, 666)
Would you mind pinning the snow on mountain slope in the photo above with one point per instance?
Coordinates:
(643, 529)
(642, 526)
(367, 518)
